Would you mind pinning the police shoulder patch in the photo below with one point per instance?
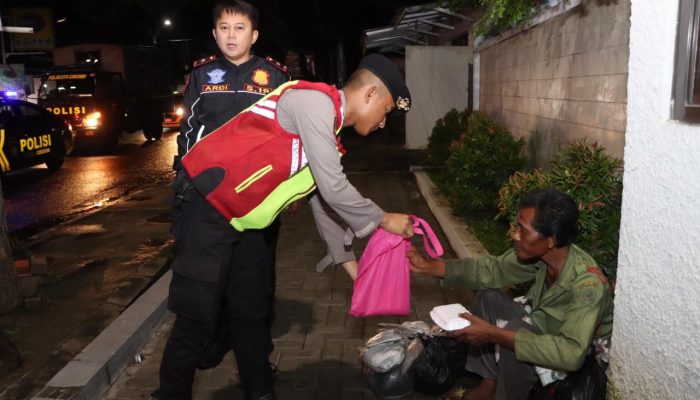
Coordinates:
(261, 77)
(203, 61)
(277, 64)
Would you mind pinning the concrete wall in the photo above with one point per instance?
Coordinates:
(564, 78)
(655, 353)
(438, 78)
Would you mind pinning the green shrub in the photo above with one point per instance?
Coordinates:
(458, 5)
(517, 184)
(447, 129)
(501, 15)
(593, 179)
(479, 163)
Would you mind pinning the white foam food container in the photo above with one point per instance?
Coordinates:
(447, 317)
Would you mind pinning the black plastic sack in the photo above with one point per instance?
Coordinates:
(395, 384)
(588, 383)
(439, 365)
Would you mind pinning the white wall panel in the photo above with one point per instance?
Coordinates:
(437, 77)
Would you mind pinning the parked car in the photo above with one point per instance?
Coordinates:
(30, 135)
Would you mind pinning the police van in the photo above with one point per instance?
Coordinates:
(103, 89)
(30, 135)
(92, 102)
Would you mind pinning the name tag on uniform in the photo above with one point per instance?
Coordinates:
(215, 88)
(256, 89)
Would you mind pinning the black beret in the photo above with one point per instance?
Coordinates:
(389, 73)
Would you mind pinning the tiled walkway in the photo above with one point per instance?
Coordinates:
(316, 341)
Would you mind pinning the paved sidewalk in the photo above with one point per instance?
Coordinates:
(316, 341)
(97, 265)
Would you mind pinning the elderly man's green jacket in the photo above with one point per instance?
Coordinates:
(576, 309)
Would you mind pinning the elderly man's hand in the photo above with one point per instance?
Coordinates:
(419, 264)
(481, 332)
(478, 333)
(422, 265)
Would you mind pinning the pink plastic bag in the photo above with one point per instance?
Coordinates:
(383, 284)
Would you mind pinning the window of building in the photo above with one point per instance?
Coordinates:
(686, 99)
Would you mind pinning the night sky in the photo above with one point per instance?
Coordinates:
(313, 26)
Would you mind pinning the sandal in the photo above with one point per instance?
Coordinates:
(455, 394)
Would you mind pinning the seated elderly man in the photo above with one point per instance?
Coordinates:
(570, 300)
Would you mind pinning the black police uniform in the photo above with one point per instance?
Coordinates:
(219, 274)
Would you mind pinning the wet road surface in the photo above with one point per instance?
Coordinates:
(36, 198)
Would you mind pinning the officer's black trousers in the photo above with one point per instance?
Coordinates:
(218, 272)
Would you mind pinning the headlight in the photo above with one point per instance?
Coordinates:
(179, 111)
(92, 120)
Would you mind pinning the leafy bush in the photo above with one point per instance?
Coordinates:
(593, 179)
(518, 184)
(457, 5)
(500, 15)
(446, 130)
(479, 163)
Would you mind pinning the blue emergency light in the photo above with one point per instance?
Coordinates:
(8, 94)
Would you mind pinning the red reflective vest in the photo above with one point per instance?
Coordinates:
(250, 168)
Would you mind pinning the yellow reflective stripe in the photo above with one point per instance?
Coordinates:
(292, 189)
(252, 178)
(4, 164)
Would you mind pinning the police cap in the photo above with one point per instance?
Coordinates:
(389, 73)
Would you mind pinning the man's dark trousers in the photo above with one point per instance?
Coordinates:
(514, 379)
(218, 270)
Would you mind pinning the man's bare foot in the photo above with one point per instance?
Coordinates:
(485, 391)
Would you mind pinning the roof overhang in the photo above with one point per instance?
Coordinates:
(413, 26)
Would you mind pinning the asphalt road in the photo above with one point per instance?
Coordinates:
(36, 198)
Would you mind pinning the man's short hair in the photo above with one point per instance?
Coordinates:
(362, 77)
(236, 7)
(556, 214)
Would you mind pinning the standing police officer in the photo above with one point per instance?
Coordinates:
(223, 282)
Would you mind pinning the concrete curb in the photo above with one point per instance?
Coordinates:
(462, 240)
(99, 365)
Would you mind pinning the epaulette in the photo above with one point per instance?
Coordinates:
(203, 61)
(277, 64)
